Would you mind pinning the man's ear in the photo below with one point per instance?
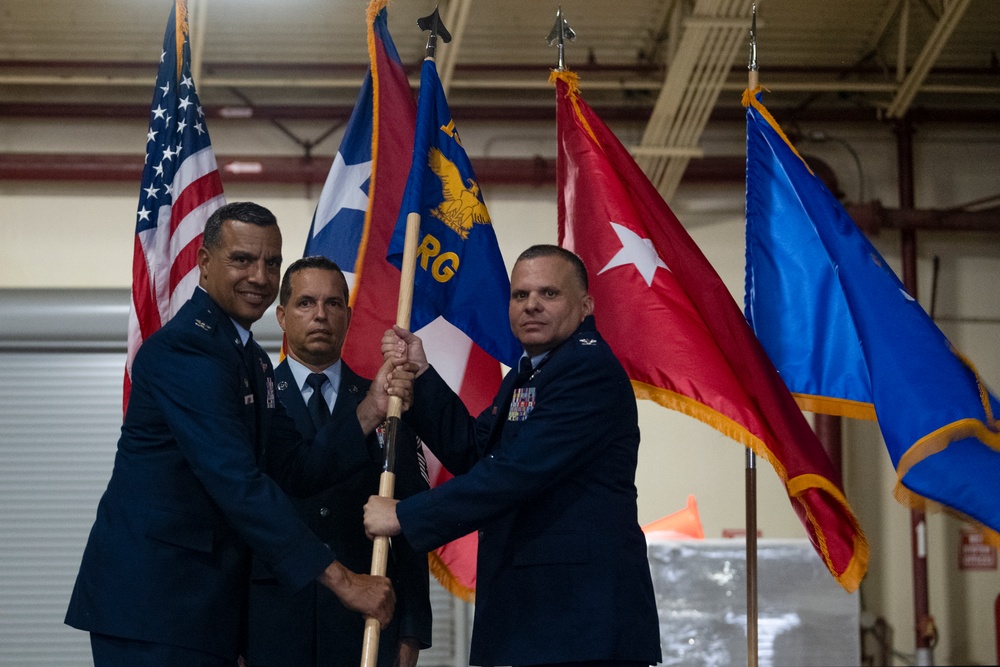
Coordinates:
(203, 258)
(279, 312)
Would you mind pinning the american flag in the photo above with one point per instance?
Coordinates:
(180, 189)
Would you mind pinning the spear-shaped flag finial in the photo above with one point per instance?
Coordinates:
(560, 33)
(437, 29)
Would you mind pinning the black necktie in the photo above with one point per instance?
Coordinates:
(318, 409)
(524, 370)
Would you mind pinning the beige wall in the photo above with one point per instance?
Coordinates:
(80, 235)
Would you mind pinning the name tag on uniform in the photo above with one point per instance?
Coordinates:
(521, 404)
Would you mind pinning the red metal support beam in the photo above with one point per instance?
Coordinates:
(296, 170)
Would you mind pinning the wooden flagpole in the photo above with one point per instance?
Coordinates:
(404, 307)
(387, 480)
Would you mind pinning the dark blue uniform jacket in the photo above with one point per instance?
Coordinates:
(195, 487)
(311, 626)
(547, 476)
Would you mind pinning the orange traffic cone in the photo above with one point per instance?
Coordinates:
(684, 524)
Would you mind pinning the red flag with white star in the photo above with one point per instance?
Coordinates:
(676, 329)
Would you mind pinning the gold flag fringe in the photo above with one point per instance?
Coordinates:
(448, 580)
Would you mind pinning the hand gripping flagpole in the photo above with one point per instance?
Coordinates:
(387, 480)
(750, 484)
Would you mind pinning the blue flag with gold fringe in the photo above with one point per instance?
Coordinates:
(460, 273)
(848, 339)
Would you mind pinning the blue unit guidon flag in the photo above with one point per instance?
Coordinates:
(180, 190)
(848, 339)
(460, 273)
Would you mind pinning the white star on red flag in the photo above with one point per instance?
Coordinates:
(636, 251)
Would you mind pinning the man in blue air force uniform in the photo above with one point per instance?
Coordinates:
(547, 476)
(311, 627)
(194, 489)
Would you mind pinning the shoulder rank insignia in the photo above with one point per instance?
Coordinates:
(202, 325)
(588, 341)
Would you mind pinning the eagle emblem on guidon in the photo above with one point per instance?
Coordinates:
(461, 206)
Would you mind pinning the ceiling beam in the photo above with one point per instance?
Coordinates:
(870, 217)
(197, 19)
(943, 29)
(534, 171)
(698, 71)
(456, 20)
(638, 112)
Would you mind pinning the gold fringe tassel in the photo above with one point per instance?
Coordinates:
(839, 407)
(448, 580)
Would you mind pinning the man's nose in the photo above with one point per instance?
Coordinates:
(258, 272)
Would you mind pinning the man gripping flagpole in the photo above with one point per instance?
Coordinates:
(380, 550)
(442, 223)
(353, 225)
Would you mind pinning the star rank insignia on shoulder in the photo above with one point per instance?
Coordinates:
(587, 342)
(203, 325)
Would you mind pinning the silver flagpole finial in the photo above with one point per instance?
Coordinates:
(558, 36)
